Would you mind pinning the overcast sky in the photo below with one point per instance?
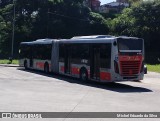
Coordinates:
(106, 1)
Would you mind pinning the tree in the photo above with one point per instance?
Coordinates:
(47, 19)
(98, 24)
(5, 30)
(141, 20)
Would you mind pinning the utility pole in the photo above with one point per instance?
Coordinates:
(13, 28)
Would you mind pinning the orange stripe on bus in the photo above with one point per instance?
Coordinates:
(62, 68)
(105, 76)
(75, 70)
(40, 64)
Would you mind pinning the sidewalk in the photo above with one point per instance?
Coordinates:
(152, 78)
(9, 65)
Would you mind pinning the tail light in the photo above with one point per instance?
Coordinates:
(116, 68)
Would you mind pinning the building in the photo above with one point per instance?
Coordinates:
(114, 6)
(93, 4)
(122, 1)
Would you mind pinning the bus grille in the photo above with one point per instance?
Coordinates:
(129, 68)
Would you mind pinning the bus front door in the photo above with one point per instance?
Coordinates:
(95, 63)
(67, 60)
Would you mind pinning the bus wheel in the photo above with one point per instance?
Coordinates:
(46, 68)
(84, 75)
(25, 65)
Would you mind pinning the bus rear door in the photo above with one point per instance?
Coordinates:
(95, 62)
(67, 59)
(31, 56)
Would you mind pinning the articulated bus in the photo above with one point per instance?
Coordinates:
(99, 58)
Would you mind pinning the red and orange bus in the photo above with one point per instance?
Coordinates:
(99, 58)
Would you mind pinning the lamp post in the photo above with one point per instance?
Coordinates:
(13, 28)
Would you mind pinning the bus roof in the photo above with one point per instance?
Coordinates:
(92, 37)
(81, 39)
(39, 41)
(94, 40)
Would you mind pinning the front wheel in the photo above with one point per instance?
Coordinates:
(84, 75)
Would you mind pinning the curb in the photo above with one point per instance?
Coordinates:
(9, 65)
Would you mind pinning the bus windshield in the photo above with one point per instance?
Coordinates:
(130, 45)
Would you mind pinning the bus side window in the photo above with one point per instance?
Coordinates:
(74, 55)
(80, 52)
(25, 51)
(37, 52)
(85, 52)
(21, 52)
(46, 52)
(61, 53)
(105, 56)
(49, 51)
(34, 51)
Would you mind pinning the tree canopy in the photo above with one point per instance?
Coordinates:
(46, 19)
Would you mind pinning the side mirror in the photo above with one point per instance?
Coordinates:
(115, 43)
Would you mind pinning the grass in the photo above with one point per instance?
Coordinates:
(5, 61)
(153, 68)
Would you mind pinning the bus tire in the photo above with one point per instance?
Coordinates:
(46, 68)
(25, 65)
(83, 75)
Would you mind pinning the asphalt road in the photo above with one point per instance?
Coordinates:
(32, 91)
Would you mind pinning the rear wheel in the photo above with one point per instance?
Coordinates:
(84, 75)
(46, 68)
